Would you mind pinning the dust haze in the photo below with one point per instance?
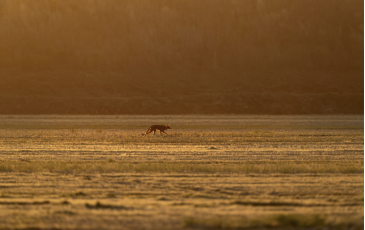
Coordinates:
(174, 57)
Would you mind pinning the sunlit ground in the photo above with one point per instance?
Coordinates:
(210, 172)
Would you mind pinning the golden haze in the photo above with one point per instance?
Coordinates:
(128, 57)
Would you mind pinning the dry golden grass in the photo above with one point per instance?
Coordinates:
(210, 172)
(112, 166)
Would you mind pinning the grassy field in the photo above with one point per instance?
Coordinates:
(210, 172)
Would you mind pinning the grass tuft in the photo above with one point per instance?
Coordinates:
(281, 221)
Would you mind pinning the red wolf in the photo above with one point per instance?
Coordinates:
(153, 129)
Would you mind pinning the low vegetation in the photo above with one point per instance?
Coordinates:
(112, 166)
(210, 172)
(286, 221)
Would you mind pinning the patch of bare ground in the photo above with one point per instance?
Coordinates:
(211, 172)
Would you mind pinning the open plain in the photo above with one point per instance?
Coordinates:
(210, 172)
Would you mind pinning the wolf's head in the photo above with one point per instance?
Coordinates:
(168, 127)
